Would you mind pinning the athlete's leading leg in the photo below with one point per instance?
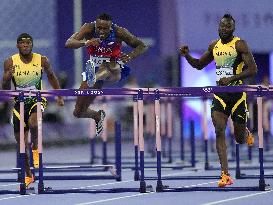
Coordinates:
(220, 121)
(33, 127)
(82, 109)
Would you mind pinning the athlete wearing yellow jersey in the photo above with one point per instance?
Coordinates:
(25, 70)
(231, 55)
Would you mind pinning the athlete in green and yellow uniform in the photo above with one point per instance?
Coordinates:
(25, 70)
(26, 76)
(229, 63)
(231, 55)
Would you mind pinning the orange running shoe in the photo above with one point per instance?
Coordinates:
(35, 155)
(225, 180)
(29, 180)
(249, 138)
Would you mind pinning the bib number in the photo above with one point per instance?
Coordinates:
(223, 72)
(99, 60)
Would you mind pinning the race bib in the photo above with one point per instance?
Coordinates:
(29, 88)
(223, 72)
(99, 60)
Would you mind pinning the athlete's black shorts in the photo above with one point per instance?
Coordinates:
(30, 106)
(231, 104)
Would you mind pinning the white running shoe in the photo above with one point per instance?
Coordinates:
(99, 124)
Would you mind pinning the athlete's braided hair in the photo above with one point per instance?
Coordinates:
(229, 16)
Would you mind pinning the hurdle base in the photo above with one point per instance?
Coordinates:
(44, 190)
(238, 174)
(144, 189)
(263, 186)
(41, 188)
(22, 188)
(160, 187)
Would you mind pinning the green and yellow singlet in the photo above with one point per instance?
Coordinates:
(228, 62)
(27, 76)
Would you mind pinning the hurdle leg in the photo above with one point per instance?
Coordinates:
(92, 142)
(143, 187)
(18, 163)
(266, 139)
(169, 130)
(104, 139)
(159, 185)
(237, 153)
(104, 152)
(118, 150)
(41, 187)
(205, 133)
(135, 116)
(262, 185)
(22, 146)
(182, 150)
(92, 150)
(141, 142)
(192, 136)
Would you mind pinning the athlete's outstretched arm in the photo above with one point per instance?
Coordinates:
(138, 46)
(79, 39)
(7, 75)
(205, 59)
(52, 79)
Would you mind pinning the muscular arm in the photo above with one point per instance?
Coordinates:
(138, 46)
(247, 57)
(77, 39)
(7, 75)
(205, 59)
(52, 79)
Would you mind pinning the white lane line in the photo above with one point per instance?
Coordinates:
(201, 184)
(111, 183)
(97, 185)
(13, 197)
(9, 184)
(235, 198)
(135, 195)
(112, 199)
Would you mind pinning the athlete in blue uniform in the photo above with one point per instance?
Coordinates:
(103, 41)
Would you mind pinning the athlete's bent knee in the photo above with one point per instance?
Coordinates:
(77, 113)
